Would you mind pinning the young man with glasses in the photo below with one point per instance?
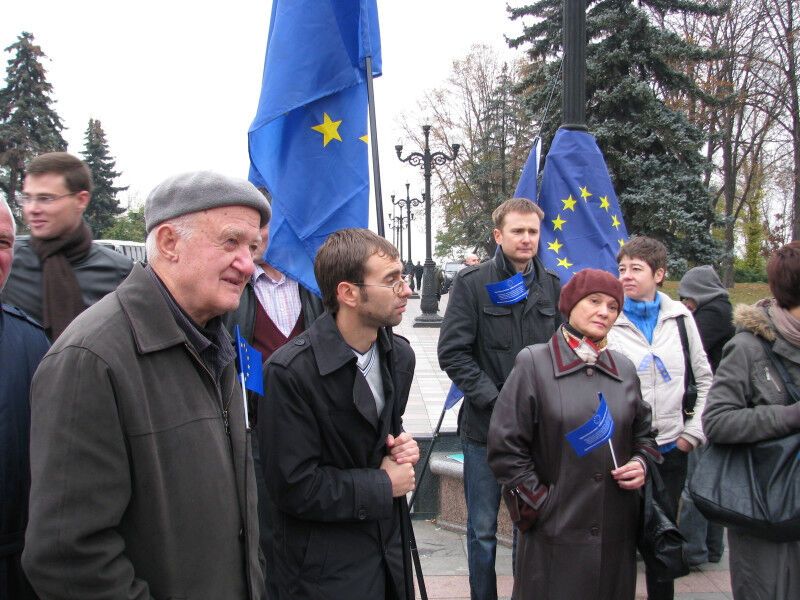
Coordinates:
(334, 464)
(58, 272)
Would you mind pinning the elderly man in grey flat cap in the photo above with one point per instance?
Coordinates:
(142, 477)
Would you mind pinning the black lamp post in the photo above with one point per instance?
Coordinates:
(408, 202)
(426, 159)
(396, 225)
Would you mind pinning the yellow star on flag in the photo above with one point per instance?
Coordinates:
(585, 193)
(604, 202)
(615, 222)
(621, 242)
(364, 138)
(558, 222)
(329, 129)
(554, 246)
(569, 203)
(564, 262)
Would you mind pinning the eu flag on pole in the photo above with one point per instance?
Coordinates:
(248, 362)
(583, 225)
(308, 141)
(595, 432)
(453, 396)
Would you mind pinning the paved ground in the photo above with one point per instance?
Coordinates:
(444, 565)
(443, 553)
(430, 383)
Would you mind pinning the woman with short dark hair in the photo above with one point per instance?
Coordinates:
(749, 402)
(648, 333)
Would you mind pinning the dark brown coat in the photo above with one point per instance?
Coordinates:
(138, 491)
(583, 544)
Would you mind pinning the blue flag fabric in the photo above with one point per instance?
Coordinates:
(509, 291)
(583, 225)
(308, 142)
(453, 396)
(248, 361)
(595, 432)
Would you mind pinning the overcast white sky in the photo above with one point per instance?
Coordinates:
(176, 83)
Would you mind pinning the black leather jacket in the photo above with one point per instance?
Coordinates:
(98, 274)
(479, 340)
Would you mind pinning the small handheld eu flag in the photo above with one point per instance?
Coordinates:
(248, 365)
(453, 396)
(595, 432)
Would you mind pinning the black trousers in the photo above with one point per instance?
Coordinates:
(673, 473)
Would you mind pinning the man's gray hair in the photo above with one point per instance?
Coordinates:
(184, 226)
(4, 204)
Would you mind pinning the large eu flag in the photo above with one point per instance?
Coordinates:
(583, 225)
(308, 141)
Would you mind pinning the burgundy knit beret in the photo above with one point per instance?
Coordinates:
(585, 282)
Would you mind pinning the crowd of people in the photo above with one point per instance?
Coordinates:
(135, 466)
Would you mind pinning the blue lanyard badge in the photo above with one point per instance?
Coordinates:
(509, 291)
(660, 366)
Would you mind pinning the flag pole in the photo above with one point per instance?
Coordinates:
(613, 456)
(244, 402)
(373, 142)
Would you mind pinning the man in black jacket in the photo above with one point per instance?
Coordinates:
(480, 338)
(59, 272)
(334, 461)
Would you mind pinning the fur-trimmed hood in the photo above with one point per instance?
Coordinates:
(755, 319)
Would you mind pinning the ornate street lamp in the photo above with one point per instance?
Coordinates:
(426, 159)
(396, 225)
(408, 202)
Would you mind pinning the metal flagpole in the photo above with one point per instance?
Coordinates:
(373, 142)
(406, 529)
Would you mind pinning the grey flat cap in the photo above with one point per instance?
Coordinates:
(200, 190)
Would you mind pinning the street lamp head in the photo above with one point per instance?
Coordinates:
(399, 149)
(456, 148)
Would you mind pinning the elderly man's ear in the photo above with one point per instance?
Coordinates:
(167, 241)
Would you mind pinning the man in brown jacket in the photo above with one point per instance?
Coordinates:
(142, 477)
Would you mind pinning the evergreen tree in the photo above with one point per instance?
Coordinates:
(28, 124)
(652, 150)
(104, 207)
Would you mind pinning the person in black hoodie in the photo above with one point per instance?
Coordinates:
(702, 292)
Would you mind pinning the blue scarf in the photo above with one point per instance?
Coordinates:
(644, 315)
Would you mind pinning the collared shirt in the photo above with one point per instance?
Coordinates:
(211, 342)
(280, 299)
(370, 367)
